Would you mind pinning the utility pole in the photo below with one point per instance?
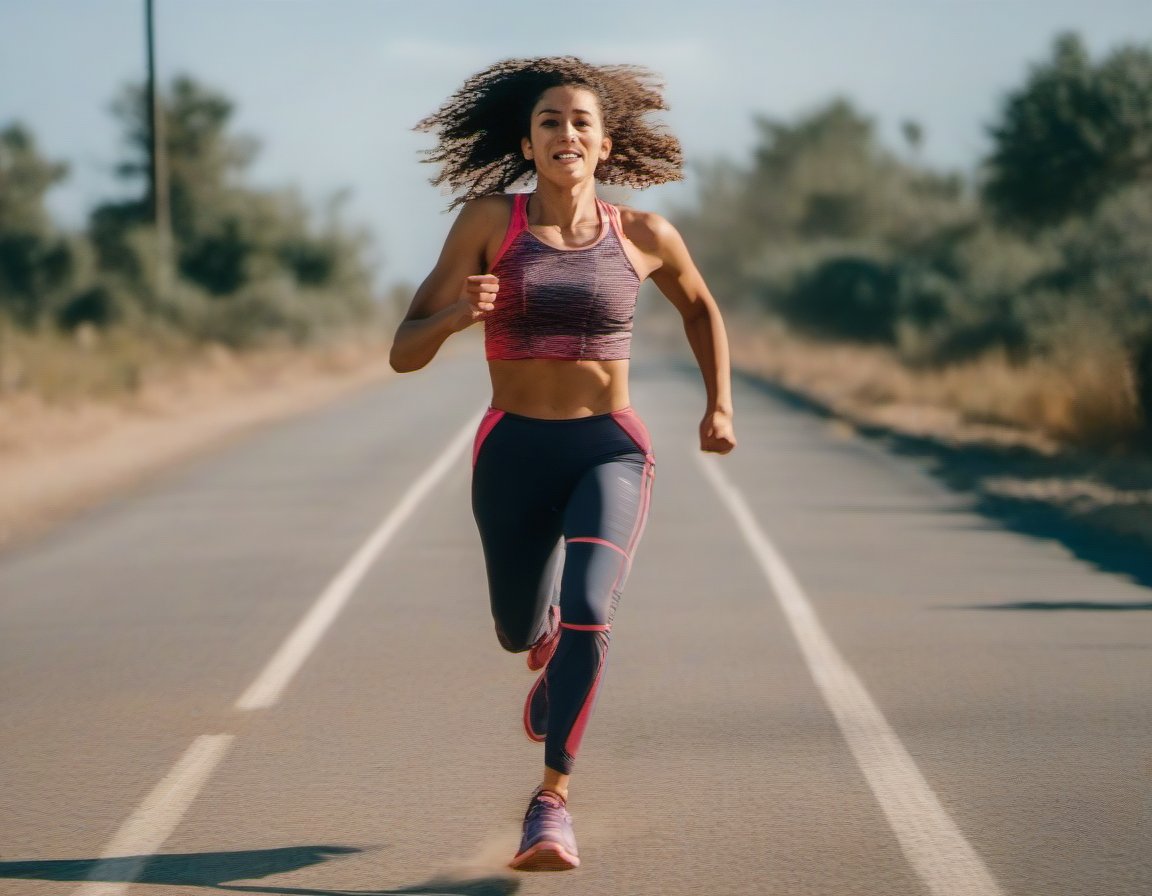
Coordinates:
(158, 165)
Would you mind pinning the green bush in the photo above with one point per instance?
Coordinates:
(851, 298)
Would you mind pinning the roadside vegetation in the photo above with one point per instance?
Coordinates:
(90, 314)
(1022, 299)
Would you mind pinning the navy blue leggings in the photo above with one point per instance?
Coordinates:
(561, 505)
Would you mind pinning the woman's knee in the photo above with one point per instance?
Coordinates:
(515, 639)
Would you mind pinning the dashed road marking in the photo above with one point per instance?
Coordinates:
(152, 823)
(154, 820)
(271, 682)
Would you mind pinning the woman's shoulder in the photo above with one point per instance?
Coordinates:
(488, 208)
(484, 218)
(648, 230)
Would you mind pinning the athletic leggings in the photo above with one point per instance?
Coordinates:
(560, 505)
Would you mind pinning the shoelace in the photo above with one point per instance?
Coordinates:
(542, 807)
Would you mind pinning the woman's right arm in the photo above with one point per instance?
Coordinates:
(453, 296)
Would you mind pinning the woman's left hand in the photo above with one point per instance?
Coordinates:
(716, 433)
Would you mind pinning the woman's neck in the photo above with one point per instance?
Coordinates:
(566, 208)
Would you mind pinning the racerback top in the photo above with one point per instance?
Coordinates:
(566, 304)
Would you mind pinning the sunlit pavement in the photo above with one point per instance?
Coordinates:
(859, 686)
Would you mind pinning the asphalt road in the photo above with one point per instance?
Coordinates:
(829, 676)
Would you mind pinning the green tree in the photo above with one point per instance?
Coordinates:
(1071, 136)
(810, 227)
(205, 164)
(250, 263)
(41, 270)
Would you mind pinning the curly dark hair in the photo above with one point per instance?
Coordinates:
(480, 127)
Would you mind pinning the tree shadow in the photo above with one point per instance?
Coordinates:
(1093, 532)
(217, 869)
(1061, 606)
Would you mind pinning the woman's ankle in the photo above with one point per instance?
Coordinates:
(554, 789)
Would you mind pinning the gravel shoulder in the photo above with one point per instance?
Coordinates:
(57, 461)
(1097, 505)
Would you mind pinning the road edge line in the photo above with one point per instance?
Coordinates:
(932, 843)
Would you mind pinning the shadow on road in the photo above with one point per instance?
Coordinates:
(1049, 606)
(1093, 531)
(216, 869)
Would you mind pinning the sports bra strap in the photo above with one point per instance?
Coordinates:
(614, 218)
(516, 223)
(520, 211)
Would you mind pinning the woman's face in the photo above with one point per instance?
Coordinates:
(567, 138)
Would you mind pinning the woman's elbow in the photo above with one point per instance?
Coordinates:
(401, 364)
(697, 314)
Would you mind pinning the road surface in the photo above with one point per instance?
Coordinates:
(273, 671)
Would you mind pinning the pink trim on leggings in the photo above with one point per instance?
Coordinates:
(590, 540)
(585, 628)
(641, 520)
(645, 503)
(630, 422)
(487, 424)
(572, 743)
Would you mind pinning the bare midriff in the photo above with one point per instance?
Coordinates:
(559, 390)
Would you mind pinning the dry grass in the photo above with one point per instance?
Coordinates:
(1086, 400)
(1067, 417)
(57, 391)
(74, 431)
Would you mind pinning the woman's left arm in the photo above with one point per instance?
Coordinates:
(682, 284)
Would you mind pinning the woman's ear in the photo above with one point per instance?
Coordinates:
(526, 147)
(605, 149)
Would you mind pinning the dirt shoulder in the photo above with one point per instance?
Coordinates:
(56, 461)
(1097, 503)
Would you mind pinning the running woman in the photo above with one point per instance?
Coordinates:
(562, 464)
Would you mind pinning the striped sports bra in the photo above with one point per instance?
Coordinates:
(565, 304)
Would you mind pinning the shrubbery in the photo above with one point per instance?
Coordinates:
(1049, 256)
(246, 267)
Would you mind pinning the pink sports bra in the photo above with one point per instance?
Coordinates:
(566, 304)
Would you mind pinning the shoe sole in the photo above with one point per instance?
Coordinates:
(545, 856)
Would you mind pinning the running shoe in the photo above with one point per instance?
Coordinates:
(549, 843)
(542, 651)
(536, 709)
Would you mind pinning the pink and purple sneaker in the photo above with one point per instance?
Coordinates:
(549, 843)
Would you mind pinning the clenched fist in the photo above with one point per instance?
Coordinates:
(716, 433)
(480, 295)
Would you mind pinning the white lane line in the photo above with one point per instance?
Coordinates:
(270, 683)
(931, 842)
(155, 819)
(145, 831)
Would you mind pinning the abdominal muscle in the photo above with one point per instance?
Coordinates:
(559, 390)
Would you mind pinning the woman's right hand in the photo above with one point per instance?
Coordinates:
(450, 300)
(478, 297)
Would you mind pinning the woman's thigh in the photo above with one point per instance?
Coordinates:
(603, 522)
(520, 520)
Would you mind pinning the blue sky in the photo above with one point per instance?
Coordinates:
(331, 88)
